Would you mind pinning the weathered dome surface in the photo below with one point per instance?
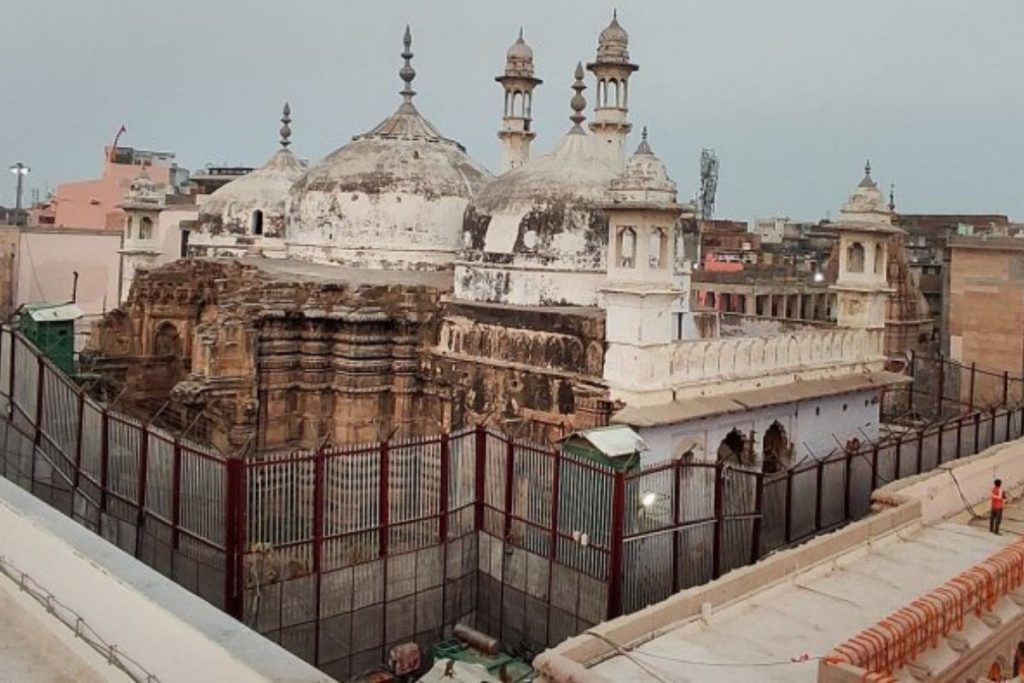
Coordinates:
(393, 197)
(613, 43)
(535, 235)
(645, 178)
(519, 59)
(230, 208)
(866, 205)
(143, 193)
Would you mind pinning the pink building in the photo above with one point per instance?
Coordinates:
(94, 203)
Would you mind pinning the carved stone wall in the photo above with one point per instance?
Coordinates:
(255, 360)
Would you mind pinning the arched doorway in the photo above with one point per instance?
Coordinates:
(732, 448)
(777, 450)
(166, 341)
(257, 222)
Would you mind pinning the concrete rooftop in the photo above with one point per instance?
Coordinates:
(815, 611)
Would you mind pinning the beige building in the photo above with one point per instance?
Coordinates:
(986, 310)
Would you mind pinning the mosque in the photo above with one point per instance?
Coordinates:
(396, 288)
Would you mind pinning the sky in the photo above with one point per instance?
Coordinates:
(793, 95)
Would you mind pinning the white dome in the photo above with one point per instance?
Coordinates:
(393, 197)
(230, 208)
(538, 233)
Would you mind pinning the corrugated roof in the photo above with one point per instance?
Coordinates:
(706, 406)
(53, 312)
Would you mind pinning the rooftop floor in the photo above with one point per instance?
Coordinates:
(758, 637)
(34, 646)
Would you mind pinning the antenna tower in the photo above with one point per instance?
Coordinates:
(708, 183)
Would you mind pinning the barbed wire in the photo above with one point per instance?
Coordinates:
(76, 623)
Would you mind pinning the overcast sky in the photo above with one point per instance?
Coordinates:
(792, 94)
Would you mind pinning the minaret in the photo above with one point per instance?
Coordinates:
(518, 82)
(140, 245)
(612, 70)
(865, 227)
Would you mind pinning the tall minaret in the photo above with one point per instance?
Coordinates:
(518, 82)
(612, 70)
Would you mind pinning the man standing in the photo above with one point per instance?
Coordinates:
(995, 517)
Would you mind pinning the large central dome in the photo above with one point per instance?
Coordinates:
(392, 198)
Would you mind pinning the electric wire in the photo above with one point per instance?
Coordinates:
(630, 654)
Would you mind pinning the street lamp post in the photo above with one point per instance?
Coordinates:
(20, 170)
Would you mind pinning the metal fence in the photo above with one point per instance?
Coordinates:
(341, 553)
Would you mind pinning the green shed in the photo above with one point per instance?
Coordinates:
(51, 327)
(615, 446)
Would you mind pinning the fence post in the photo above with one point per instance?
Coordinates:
(716, 551)
(556, 497)
(874, 468)
(755, 536)
(848, 484)
(820, 481)
(38, 438)
(140, 498)
(319, 477)
(941, 385)
(480, 476)
(235, 540)
(1006, 388)
(80, 432)
(617, 540)
(384, 505)
(176, 495)
(789, 506)
(384, 532)
(104, 461)
(970, 391)
(442, 520)
(977, 429)
(676, 503)
(14, 348)
(959, 437)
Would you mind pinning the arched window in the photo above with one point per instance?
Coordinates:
(612, 98)
(777, 451)
(855, 258)
(657, 249)
(257, 222)
(879, 259)
(128, 227)
(166, 341)
(146, 228)
(626, 247)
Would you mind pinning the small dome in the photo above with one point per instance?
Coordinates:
(613, 43)
(519, 51)
(231, 207)
(866, 204)
(143, 193)
(645, 179)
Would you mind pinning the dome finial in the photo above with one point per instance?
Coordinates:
(867, 168)
(892, 197)
(286, 131)
(520, 33)
(407, 73)
(643, 147)
(578, 103)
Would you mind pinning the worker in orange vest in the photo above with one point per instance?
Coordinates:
(995, 517)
